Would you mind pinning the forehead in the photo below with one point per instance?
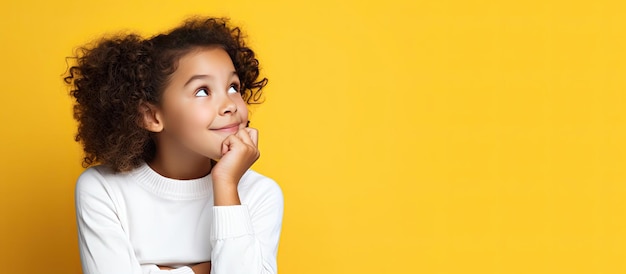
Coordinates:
(205, 60)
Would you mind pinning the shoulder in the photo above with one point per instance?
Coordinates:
(97, 181)
(254, 184)
(254, 180)
(92, 176)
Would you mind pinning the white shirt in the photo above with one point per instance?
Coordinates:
(133, 221)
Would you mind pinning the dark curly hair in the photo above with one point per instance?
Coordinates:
(111, 79)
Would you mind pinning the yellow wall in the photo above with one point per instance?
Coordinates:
(408, 136)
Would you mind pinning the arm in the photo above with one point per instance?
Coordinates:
(201, 268)
(244, 237)
(104, 246)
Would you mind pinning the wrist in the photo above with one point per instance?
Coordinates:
(225, 179)
(225, 195)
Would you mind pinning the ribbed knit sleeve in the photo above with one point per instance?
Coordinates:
(245, 237)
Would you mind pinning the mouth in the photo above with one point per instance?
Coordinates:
(230, 128)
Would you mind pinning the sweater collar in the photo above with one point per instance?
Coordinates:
(171, 188)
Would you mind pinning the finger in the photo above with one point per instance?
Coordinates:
(245, 136)
(225, 146)
(229, 143)
(254, 135)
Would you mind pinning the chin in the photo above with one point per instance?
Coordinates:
(213, 155)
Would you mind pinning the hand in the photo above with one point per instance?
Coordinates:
(239, 152)
(201, 268)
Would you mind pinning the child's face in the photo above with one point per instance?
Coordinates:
(202, 105)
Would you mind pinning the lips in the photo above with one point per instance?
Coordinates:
(228, 128)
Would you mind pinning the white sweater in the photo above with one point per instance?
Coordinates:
(131, 222)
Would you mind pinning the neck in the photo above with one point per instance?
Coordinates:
(180, 166)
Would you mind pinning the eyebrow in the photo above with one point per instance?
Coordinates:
(203, 76)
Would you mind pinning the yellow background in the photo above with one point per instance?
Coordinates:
(408, 136)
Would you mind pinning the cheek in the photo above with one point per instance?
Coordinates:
(242, 109)
(185, 116)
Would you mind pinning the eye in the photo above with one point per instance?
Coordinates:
(233, 89)
(202, 92)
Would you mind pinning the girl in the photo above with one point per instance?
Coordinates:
(166, 118)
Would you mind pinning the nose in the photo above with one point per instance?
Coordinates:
(227, 106)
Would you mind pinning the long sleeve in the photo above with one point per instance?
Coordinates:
(103, 243)
(245, 237)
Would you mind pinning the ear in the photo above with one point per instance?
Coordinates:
(151, 117)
